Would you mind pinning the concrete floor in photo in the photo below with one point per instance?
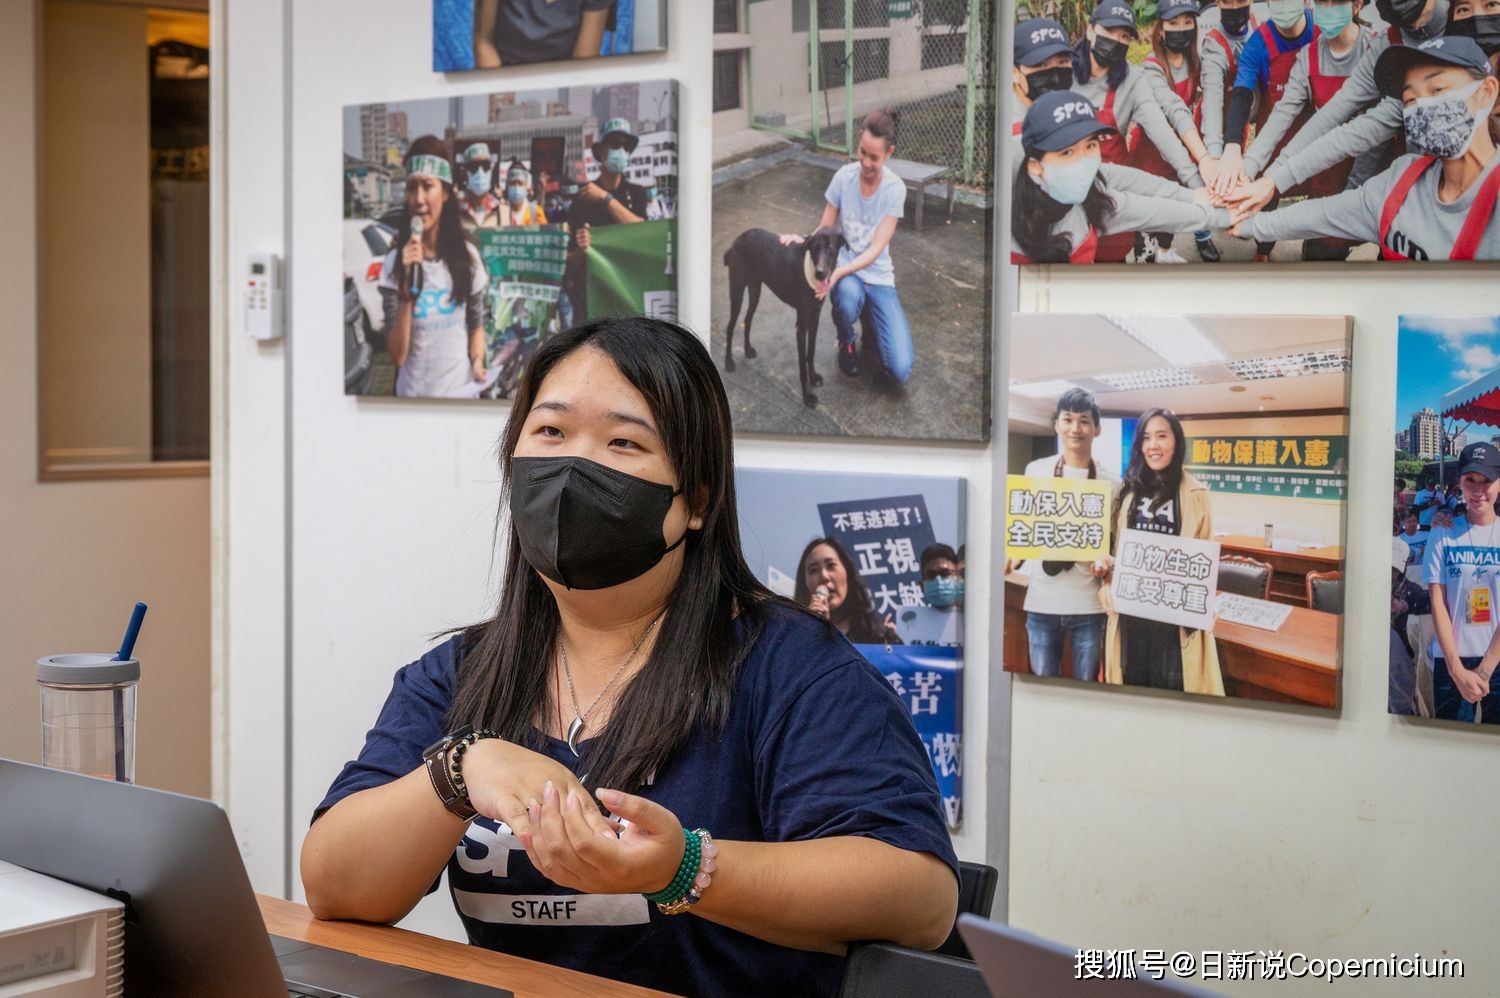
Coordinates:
(942, 276)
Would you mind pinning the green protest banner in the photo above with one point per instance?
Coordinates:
(1303, 467)
(631, 269)
(525, 265)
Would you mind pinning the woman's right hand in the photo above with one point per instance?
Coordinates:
(787, 239)
(819, 605)
(1468, 683)
(581, 237)
(504, 780)
(1103, 568)
(1231, 170)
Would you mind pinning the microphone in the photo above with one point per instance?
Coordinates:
(822, 591)
(414, 274)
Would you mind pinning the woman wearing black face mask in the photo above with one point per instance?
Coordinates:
(1220, 53)
(1122, 97)
(634, 650)
(1479, 20)
(1173, 69)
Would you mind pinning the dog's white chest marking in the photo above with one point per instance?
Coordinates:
(807, 270)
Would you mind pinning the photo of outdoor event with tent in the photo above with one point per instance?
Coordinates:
(813, 101)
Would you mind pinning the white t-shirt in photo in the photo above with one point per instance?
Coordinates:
(437, 362)
(1073, 590)
(1464, 558)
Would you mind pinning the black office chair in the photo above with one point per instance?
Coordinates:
(976, 896)
(885, 970)
(1245, 576)
(1325, 591)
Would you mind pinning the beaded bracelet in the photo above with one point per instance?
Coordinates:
(687, 872)
(702, 873)
(456, 756)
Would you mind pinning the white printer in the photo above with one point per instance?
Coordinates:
(57, 940)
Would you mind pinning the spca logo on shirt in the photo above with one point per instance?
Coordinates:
(434, 301)
(1072, 109)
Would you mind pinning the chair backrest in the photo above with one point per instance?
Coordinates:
(1245, 576)
(885, 970)
(1325, 591)
(976, 896)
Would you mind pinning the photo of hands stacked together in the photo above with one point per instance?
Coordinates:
(1265, 132)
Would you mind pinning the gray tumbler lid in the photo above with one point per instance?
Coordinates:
(87, 669)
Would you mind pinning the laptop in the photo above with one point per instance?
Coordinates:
(1017, 964)
(192, 926)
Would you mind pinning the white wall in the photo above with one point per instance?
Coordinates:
(76, 555)
(1165, 822)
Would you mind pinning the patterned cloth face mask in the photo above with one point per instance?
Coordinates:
(1443, 126)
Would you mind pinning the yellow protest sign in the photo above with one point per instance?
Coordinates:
(1056, 519)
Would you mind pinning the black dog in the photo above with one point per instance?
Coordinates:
(758, 257)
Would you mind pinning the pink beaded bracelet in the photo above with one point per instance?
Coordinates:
(707, 863)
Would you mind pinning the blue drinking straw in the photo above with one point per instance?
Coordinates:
(127, 648)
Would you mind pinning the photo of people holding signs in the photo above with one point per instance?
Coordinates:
(879, 557)
(1330, 130)
(1445, 557)
(1175, 507)
(476, 226)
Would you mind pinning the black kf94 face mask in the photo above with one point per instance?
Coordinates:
(587, 526)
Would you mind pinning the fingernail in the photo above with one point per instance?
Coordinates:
(572, 801)
(549, 793)
(613, 798)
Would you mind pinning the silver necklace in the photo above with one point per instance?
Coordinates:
(580, 717)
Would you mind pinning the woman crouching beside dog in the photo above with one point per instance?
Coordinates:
(864, 201)
(1062, 204)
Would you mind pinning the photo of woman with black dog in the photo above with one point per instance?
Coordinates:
(1157, 495)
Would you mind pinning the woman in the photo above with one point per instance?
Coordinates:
(828, 585)
(1122, 97)
(1220, 62)
(1479, 20)
(696, 699)
(1341, 42)
(864, 201)
(1438, 203)
(432, 285)
(510, 32)
(1061, 202)
(1174, 72)
(1459, 570)
(1158, 496)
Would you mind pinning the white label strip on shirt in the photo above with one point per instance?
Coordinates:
(554, 909)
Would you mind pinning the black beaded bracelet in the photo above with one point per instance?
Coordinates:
(456, 757)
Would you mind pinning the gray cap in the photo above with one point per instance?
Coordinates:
(87, 669)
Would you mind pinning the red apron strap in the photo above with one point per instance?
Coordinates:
(1084, 252)
(1396, 199)
(1481, 213)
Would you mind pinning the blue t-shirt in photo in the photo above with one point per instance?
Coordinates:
(816, 744)
(859, 216)
(452, 35)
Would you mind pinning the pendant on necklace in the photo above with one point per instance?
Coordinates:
(573, 731)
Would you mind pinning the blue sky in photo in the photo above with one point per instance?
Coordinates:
(1438, 353)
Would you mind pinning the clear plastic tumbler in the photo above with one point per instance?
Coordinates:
(88, 714)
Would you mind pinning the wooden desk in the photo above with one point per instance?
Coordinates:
(1288, 568)
(1297, 664)
(526, 978)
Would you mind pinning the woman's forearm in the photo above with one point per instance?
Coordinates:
(823, 894)
(373, 855)
(1442, 627)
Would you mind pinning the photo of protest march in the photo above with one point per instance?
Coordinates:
(852, 201)
(1180, 131)
(476, 226)
(1445, 543)
(1175, 502)
(496, 34)
(882, 558)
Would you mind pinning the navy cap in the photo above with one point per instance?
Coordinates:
(1450, 50)
(1114, 14)
(1481, 458)
(1168, 9)
(1058, 119)
(1038, 40)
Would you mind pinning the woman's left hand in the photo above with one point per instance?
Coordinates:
(838, 275)
(643, 857)
(477, 364)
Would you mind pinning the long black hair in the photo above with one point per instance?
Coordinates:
(858, 606)
(1140, 481)
(714, 615)
(1034, 213)
(1083, 69)
(452, 245)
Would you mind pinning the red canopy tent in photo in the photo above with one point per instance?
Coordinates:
(1476, 402)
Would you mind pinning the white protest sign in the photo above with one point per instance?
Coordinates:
(1166, 578)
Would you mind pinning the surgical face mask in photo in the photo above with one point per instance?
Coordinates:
(1180, 41)
(1483, 28)
(515, 195)
(1443, 126)
(1070, 183)
(1235, 20)
(479, 181)
(1332, 18)
(1286, 13)
(941, 593)
(617, 161)
(1046, 81)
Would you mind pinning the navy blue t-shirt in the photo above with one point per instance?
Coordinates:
(816, 744)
